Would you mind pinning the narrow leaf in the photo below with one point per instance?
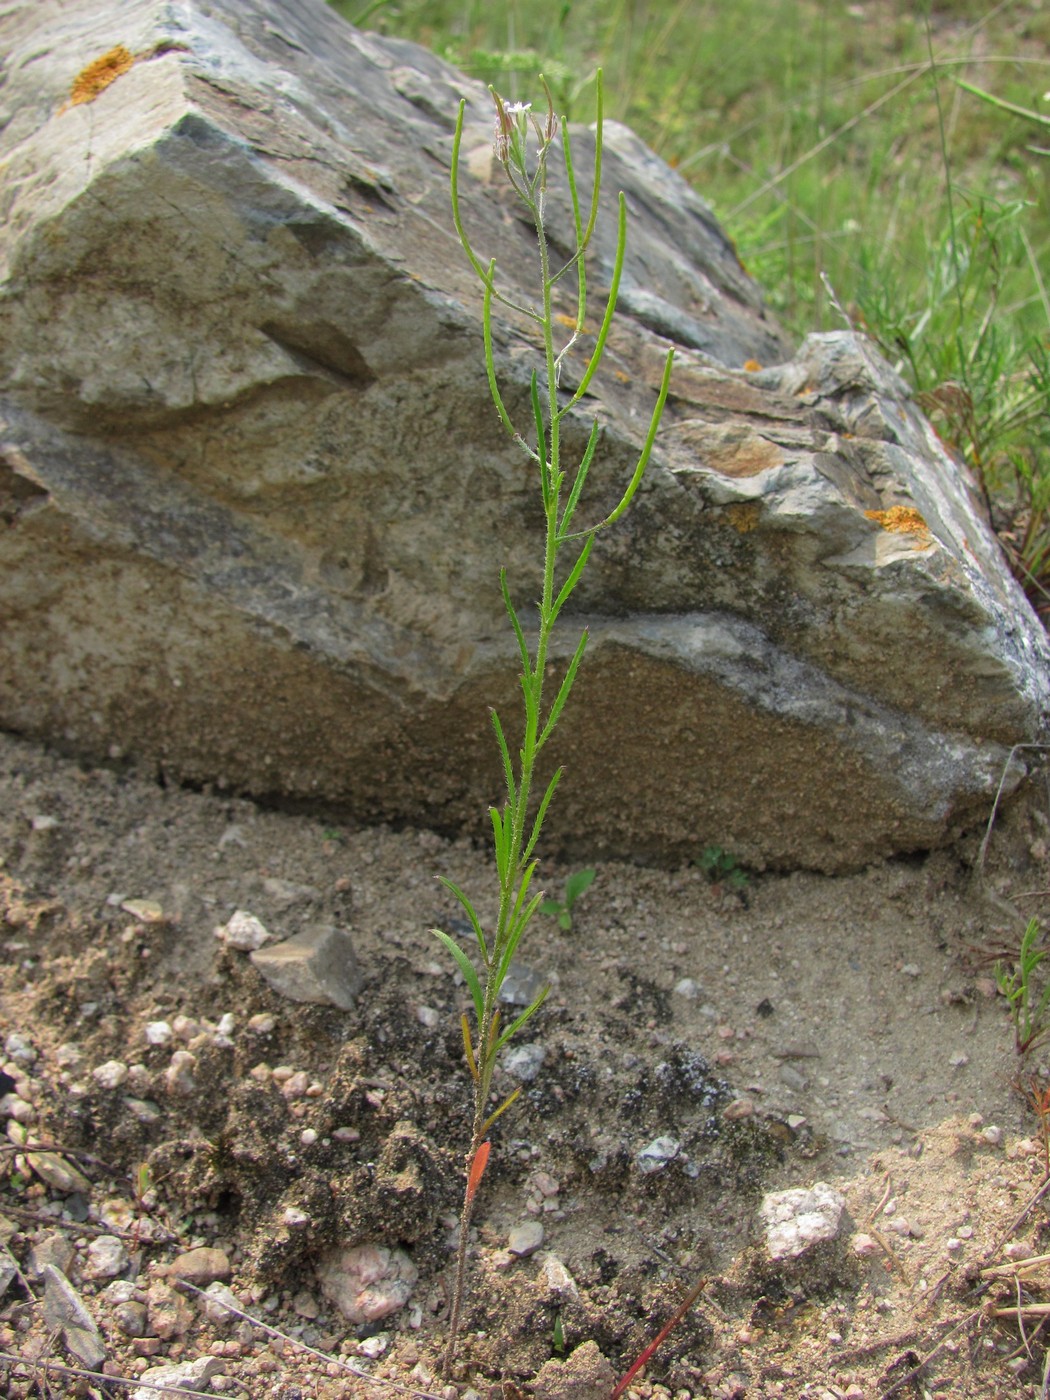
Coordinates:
(477, 1169)
(610, 308)
(581, 477)
(572, 580)
(502, 1109)
(541, 437)
(643, 460)
(467, 969)
(541, 813)
(499, 840)
(490, 359)
(518, 927)
(525, 1016)
(468, 1048)
(526, 660)
(493, 1033)
(471, 915)
(563, 691)
(508, 766)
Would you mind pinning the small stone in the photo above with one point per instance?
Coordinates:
(147, 911)
(59, 1174)
(797, 1219)
(295, 1218)
(373, 1347)
(910, 970)
(143, 1109)
(655, 1155)
(953, 1245)
(864, 1246)
(367, 1282)
(584, 1375)
(200, 1266)
(43, 822)
(992, 1135)
(427, 1016)
(739, 1108)
(958, 1059)
(185, 1027)
(558, 1279)
(18, 1109)
(294, 1085)
(306, 1305)
(178, 1077)
(687, 988)
(111, 1075)
(525, 1239)
(106, 1257)
(218, 1301)
(17, 1047)
(186, 1375)
(317, 966)
(524, 1062)
(521, 986)
(55, 1249)
(790, 1076)
(130, 1317)
(64, 1312)
(244, 932)
(262, 1023)
(170, 1315)
(308, 1137)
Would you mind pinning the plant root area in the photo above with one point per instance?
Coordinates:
(171, 1119)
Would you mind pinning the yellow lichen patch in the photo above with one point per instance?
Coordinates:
(903, 520)
(97, 76)
(752, 366)
(743, 516)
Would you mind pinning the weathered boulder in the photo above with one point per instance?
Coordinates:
(255, 496)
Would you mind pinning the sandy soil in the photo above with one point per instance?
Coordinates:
(802, 1029)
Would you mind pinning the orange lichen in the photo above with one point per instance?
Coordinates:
(744, 516)
(903, 520)
(752, 366)
(98, 75)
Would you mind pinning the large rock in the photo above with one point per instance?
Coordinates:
(256, 496)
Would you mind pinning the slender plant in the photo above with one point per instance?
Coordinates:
(524, 145)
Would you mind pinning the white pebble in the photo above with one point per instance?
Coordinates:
(308, 1137)
(158, 1032)
(864, 1245)
(111, 1075)
(687, 988)
(19, 1048)
(427, 1016)
(262, 1024)
(178, 1077)
(993, 1134)
(106, 1257)
(243, 932)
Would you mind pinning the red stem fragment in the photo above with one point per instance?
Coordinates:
(660, 1337)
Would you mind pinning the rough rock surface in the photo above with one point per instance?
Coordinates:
(256, 498)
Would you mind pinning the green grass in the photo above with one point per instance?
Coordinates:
(835, 142)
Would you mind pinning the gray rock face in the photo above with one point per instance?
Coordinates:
(256, 497)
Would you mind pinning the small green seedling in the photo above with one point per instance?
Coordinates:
(561, 909)
(722, 869)
(1029, 1010)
